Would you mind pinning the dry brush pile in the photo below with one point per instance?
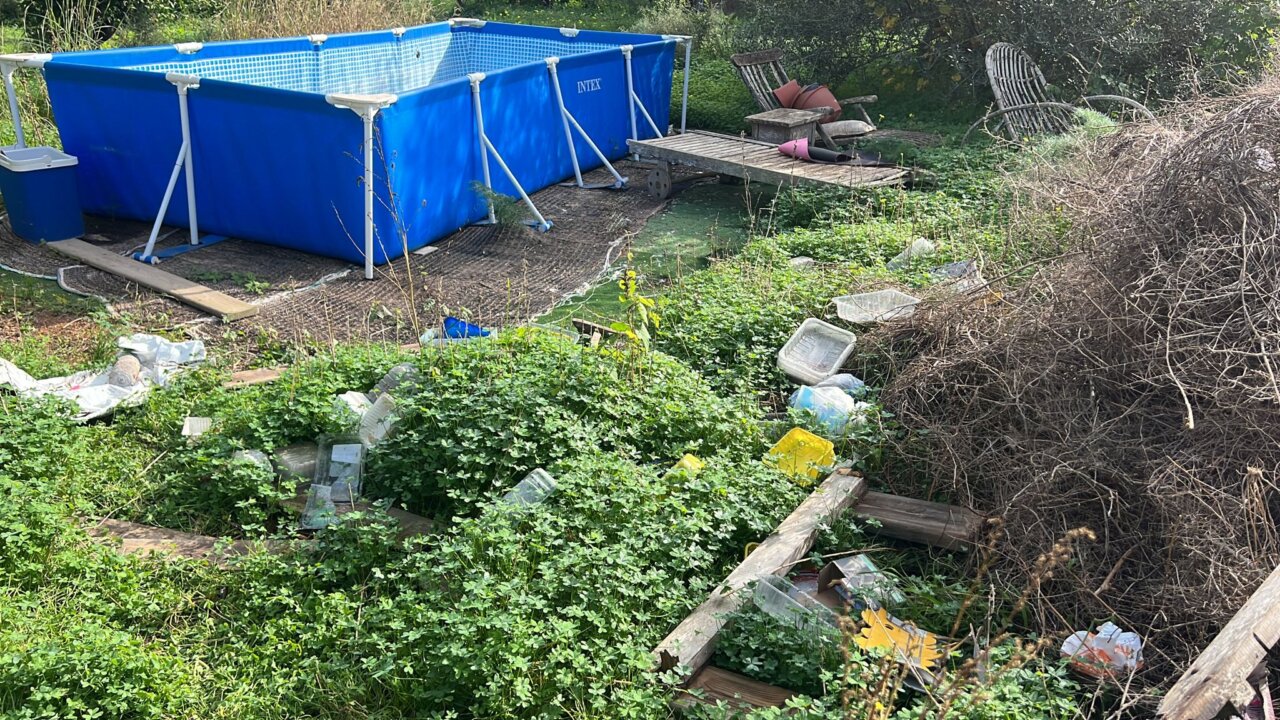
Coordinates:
(1131, 386)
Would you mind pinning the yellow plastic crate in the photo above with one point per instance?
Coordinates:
(802, 455)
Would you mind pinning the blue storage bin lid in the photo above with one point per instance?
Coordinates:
(16, 159)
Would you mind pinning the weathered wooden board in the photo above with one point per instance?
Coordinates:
(245, 378)
(929, 523)
(759, 162)
(1219, 676)
(712, 685)
(191, 293)
(145, 539)
(410, 525)
(693, 641)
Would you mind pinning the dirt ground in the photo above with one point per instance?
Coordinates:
(490, 275)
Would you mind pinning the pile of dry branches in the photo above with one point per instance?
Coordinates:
(1131, 385)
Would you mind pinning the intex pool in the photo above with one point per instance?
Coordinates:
(279, 130)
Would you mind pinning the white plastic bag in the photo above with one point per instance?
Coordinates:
(1105, 652)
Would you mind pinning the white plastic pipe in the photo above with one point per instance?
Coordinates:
(164, 204)
(7, 69)
(631, 93)
(475, 79)
(542, 222)
(185, 118)
(564, 118)
(684, 98)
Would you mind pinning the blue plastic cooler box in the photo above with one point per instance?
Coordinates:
(39, 188)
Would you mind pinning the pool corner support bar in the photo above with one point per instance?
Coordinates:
(367, 107)
(619, 182)
(8, 65)
(541, 224)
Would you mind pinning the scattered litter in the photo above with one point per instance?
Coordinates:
(150, 361)
(802, 455)
(340, 464)
(257, 457)
(846, 382)
(919, 248)
(783, 601)
(691, 464)
(456, 329)
(402, 375)
(297, 461)
(907, 643)
(537, 486)
(1105, 652)
(319, 512)
(859, 583)
(377, 421)
(834, 408)
(878, 306)
(352, 403)
(194, 427)
(801, 262)
(815, 352)
(959, 277)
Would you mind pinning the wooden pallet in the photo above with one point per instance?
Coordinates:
(191, 293)
(753, 161)
(712, 685)
(133, 538)
(929, 523)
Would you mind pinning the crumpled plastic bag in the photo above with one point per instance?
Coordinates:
(1105, 652)
(149, 361)
(833, 407)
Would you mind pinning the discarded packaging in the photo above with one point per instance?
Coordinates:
(959, 277)
(350, 407)
(853, 386)
(340, 464)
(878, 306)
(319, 511)
(833, 407)
(194, 427)
(257, 457)
(802, 455)
(859, 584)
(297, 461)
(377, 421)
(815, 352)
(919, 248)
(802, 261)
(402, 375)
(783, 601)
(907, 643)
(691, 464)
(1105, 652)
(537, 486)
(151, 361)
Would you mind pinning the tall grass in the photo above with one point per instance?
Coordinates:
(241, 19)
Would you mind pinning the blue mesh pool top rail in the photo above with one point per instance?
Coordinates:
(392, 61)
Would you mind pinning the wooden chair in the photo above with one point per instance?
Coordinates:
(1023, 104)
(762, 72)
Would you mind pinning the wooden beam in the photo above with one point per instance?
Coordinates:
(713, 685)
(944, 526)
(191, 293)
(1220, 675)
(693, 641)
(245, 378)
(410, 525)
(135, 538)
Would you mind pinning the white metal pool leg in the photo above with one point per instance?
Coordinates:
(183, 83)
(367, 107)
(317, 67)
(487, 148)
(684, 96)
(8, 65)
(566, 117)
(633, 100)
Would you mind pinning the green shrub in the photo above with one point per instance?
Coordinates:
(488, 412)
(717, 98)
(770, 650)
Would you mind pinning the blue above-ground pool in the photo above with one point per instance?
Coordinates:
(278, 154)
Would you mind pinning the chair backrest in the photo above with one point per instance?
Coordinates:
(761, 72)
(1016, 80)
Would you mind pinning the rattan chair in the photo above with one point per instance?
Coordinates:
(1023, 105)
(762, 71)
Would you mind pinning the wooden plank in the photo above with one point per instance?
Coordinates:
(245, 378)
(1220, 675)
(929, 523)
(693, 641)
(191, 293)
(135, 538)
(767, 166)
(714, 685)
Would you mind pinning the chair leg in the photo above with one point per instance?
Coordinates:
(825, 139)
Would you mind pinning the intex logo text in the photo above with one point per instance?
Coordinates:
(591, 85)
